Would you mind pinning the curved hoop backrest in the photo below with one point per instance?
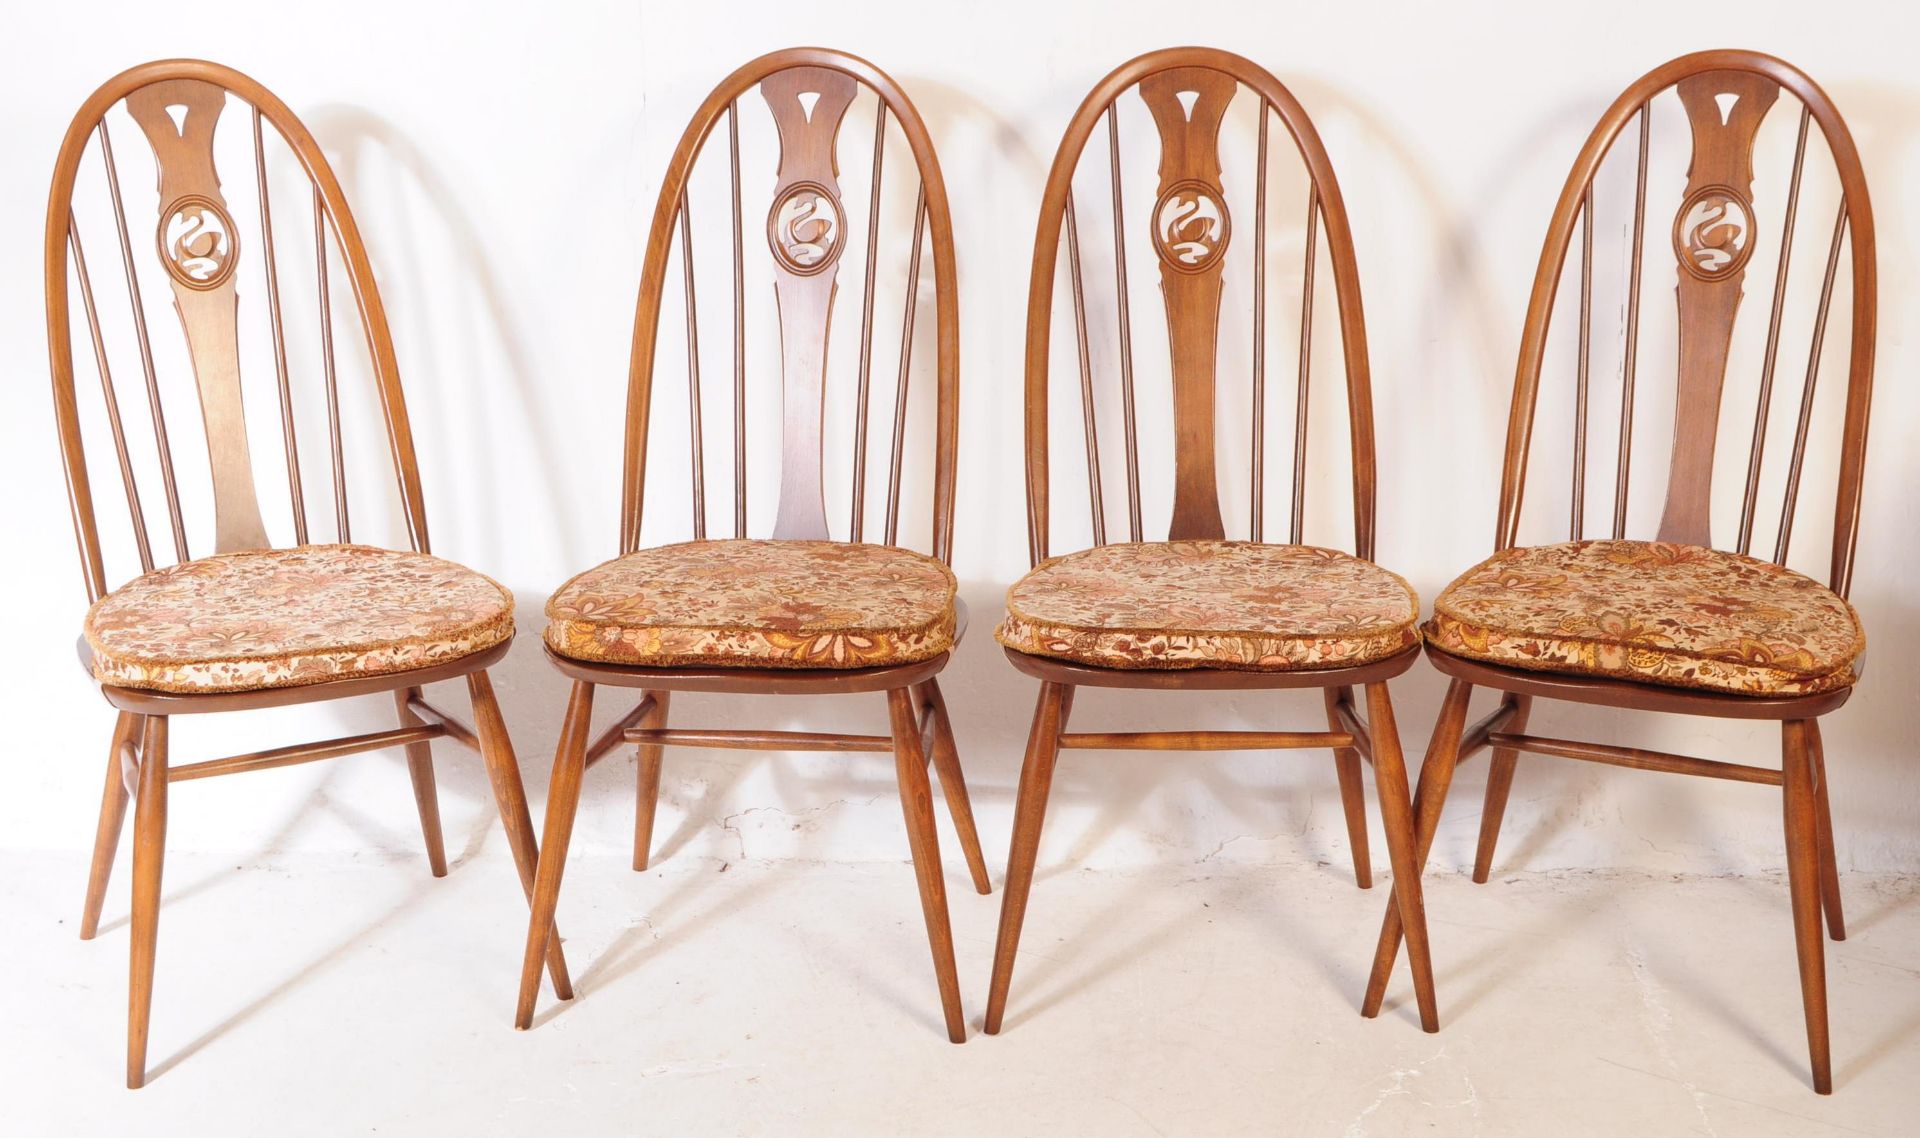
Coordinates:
(1188, 91)
(1726, 95)
(808, 92)
(198, 244)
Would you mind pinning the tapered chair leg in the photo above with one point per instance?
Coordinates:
(1436, 776)
(1803, 880)
(647, 779)
(563, 799)
(1829, 866)
(1029, 813)
(916, 801)
(1396, 817)
(121, 771)
(1353, 794)
(425, 796)
(510, 795)
(1499, 786)
(149, 853)
(945, 754)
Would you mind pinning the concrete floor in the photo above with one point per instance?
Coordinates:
(349, 997)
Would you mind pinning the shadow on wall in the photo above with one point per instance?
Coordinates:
(947, 109)
(1870, 745)
(1458, 306)
(1461, 311)
(453, 429)
(383, 173)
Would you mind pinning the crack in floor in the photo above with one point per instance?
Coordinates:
(1659, 1023)
(727, 823)
(1398, 1086)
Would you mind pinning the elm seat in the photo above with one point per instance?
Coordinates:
(757, 603)
(276, 618)
(1237, 605)
(1652, 612)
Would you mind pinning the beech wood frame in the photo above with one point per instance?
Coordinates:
(138, 761)
(1216, 76)
(1814, 882)
(921, 733)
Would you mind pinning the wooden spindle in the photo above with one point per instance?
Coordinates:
(334, 439)
(1256, 531)
(1633, 336)
(107, 393)
(154, 410)
(698, 452)
(906, 368)
(1296, 525)
(1086, 377)
(866, 326)
(292, 444)
(1806, 393)
(1582, 368)
(1750, 500)
(1134, 529)
(739, 330)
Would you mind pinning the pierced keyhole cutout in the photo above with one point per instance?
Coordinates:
(1726, 102)
(807, 101)
(1187, 100)
(178, 113)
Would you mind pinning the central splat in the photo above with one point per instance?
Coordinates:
(806, 229)
(1190, 233)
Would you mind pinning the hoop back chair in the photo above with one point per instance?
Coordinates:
(799, 612)
(246, 623)
(1679, 624)
(1191, 633)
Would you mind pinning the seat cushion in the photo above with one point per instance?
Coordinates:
(762, 604)
(276, 618)
(1211, 604)
(1653, 612)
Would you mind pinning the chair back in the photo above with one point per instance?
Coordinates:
(1191, 221)
(245, 328)
(813, 231)
(1727, 223)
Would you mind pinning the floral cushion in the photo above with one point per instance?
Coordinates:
(764, 604)
(1211, 604)
(276, 618)
(1653, 612)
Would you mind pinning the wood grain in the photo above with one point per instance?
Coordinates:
(1715, 232)
(199, 245)
(1722, 169)
(1188, 91)
(808, 92)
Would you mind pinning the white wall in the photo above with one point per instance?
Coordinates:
(502, 163)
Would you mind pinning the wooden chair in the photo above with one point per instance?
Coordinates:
(252, 624)
(797, 613)
(1196, 612)
(1677, 624)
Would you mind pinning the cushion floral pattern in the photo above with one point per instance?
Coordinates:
(1211, 604)
(275, 618)
(1653, 612)
(754, 603)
